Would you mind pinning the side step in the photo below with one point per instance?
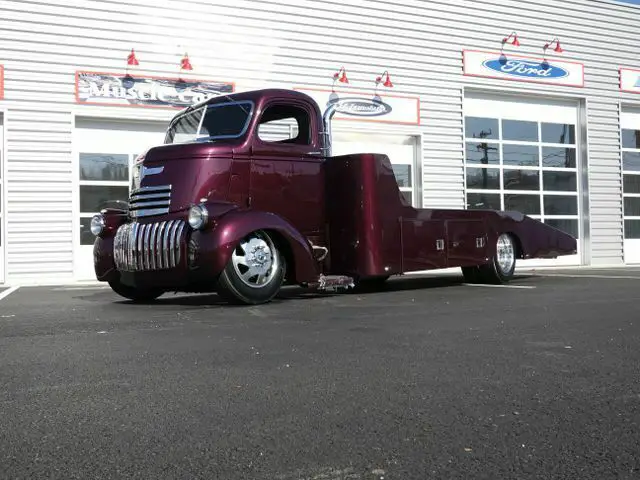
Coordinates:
(334, 282)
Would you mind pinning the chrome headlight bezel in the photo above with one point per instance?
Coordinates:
(198, 217)
(98, 224)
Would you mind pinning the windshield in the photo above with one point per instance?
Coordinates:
(224, 120)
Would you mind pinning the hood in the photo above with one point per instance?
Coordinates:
(171, 178)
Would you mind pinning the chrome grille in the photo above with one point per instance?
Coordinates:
(141, 247)
(146, 201)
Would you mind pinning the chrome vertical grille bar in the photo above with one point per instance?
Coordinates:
(172, 243)
(152, 246)
(176, 259)
(139, 252)
(130, 246)
(147, 250)
(165, 244)
(159, 246)
(127, 250)
(134, 246)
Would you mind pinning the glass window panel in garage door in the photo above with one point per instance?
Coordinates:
(522, 160)
(630, 138)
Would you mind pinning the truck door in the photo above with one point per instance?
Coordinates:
(286, 173)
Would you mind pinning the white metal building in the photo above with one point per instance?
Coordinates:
(472, 121)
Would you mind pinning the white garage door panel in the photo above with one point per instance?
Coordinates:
(630, 124)
(105, 151)
(3, 233)
(523, 154)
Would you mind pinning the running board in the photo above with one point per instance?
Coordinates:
(334, 282)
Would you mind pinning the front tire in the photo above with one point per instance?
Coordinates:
(138, 295)
(255, 272)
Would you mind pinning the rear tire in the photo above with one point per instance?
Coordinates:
(255, 272)
(503, 265)
(472, 274)
(138, 295)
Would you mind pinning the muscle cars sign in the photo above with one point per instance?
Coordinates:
(116, 89)
(522, 69)
(630, 80)
(367, 107)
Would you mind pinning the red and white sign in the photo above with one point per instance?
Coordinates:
(630, 80)
(367, 107)
(517, 68)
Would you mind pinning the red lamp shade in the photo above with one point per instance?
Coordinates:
(341, 76)
(185, 64)
(513, 36)
(132, 60)
(387, 82)
(558, 48)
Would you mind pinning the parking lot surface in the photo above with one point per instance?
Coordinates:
(428, 378)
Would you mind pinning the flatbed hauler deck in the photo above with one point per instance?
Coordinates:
(216, 208)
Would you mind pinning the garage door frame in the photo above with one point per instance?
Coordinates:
(627, 108)
(582, 149)
(81, 252)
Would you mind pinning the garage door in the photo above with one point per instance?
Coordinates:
(105, 153)
(630, 123)
(402, 151)
(523, 155)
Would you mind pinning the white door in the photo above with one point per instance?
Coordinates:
(630, 124)
(523, 155)
(402, 151)
(3, 231)
(105, 151)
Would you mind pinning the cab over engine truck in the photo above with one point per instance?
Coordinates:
(219, 208)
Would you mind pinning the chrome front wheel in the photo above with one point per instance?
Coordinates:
(255, 261)
(255, 272)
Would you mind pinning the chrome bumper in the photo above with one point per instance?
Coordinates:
(151, 246)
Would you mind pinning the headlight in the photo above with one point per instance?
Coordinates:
(97, 224)
(198, 216)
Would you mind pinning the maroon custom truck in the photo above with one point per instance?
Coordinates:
(220, 208)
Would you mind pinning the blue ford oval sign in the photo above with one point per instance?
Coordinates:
(525, 69)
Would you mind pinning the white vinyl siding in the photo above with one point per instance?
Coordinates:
(292, 43)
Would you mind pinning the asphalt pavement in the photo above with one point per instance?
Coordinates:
(428, 378)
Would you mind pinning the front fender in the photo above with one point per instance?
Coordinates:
(216, 244)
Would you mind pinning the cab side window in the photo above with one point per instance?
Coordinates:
(285, 124)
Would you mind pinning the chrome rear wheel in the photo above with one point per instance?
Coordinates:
(505, 253)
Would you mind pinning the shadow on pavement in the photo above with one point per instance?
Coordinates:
(397, 284)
